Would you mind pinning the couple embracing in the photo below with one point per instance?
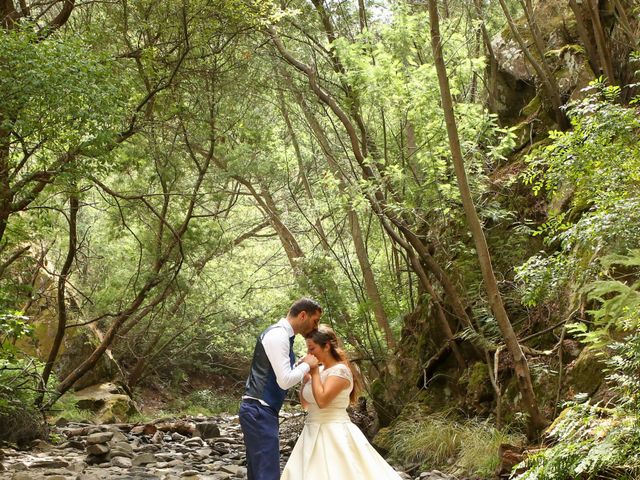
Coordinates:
(330, 446)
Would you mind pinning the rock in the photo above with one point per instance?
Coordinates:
(61, 422)
(122, 449)
(182, 427)
(100, 437)
(75, 444)
(148, 429)
(50, 463)
(586, 373)
(98, 449)
(22, 476)
(106, 400)
(509, 456)
(176, 437)
(158, 437)
(41, 446)
(144, 459)
(122, 462)
(233, 469)
(190, 473)
(118, 436)
(79, 344)
(194, 442)
(97, 459)
(207, 430)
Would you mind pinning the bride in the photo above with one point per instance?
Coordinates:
(330, 447)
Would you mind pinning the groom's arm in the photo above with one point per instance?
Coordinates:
(276, 346)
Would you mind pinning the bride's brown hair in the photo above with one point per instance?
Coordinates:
(325, 335)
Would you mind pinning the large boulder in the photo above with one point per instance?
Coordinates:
(77, 348)
(110, 403)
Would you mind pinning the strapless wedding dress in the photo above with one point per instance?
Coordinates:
(330, 447)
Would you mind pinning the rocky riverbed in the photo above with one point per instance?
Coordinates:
(165, 449)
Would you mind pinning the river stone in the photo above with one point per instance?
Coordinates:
(97, 459)
(50, 463)
(118, 436)
(23, 476)
(100, 437)
(97, 449)
(122, 462)
(194, 442)
(143, 459)
(232, 469)
(208, 429)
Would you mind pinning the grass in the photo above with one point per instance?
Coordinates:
(441, 441)
(66, 408)
(203, 402)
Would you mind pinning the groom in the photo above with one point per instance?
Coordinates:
(272, 373)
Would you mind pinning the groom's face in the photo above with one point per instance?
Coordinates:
(309, 321)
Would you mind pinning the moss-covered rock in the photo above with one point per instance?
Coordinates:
(586, 373)
(476, 384)
(107, 401)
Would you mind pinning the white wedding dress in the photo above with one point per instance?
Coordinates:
(330, 447)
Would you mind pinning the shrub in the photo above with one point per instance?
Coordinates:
(441, 441)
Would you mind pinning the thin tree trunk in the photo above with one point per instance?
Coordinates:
(536, 420)
(370, 284)
(376, 200)
(601, 41)
(369, 279)
(74, 206)
(586, 37)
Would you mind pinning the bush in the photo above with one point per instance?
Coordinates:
(20, 421)
(468, 447)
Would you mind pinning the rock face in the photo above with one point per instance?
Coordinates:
(114, 452)
(106, 400)
(519, 96)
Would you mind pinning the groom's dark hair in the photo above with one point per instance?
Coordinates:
(304, 305)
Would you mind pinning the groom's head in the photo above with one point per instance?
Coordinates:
(304, 315)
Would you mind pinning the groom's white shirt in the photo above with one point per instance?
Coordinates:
(276, 346)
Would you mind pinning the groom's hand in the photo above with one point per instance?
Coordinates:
(310, 360)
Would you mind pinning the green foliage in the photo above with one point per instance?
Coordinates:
(58, 95)
(19, 377)
(591, 443)
(467, 447)
(593, 173)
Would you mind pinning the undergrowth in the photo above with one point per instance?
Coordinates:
(442, 441)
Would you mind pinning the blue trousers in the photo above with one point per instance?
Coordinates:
(260, 427)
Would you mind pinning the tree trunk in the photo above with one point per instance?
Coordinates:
(536, 420)
(370, 284)
(61, 299)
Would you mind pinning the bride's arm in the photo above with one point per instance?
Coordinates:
(303, 402)
(325, 393)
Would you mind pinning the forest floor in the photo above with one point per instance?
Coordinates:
(163, 449)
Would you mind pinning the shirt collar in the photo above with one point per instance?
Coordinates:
(287, 326)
